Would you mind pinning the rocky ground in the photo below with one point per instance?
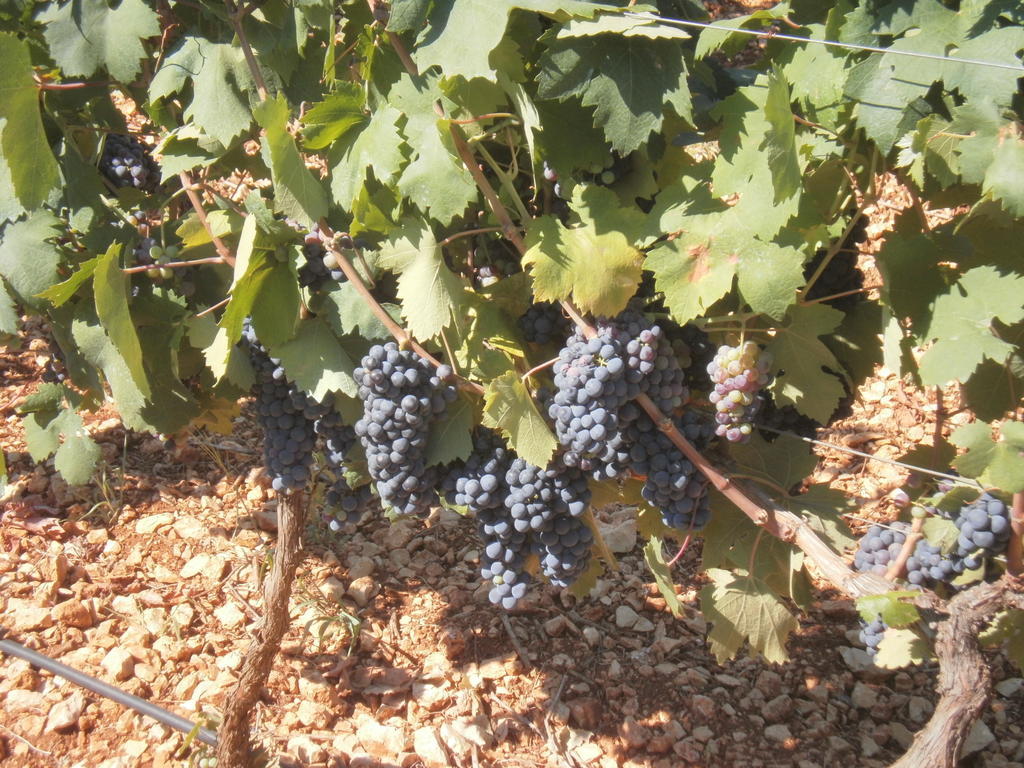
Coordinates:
(149, 579)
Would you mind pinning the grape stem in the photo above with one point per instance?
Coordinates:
(197, 204)
(538, 368)
(174, 265)
(214, 308)
(401, 335)
(840, 295)
(235, 16)
(898, 568)
(599, 542)
(468, 233)
(1015, 550)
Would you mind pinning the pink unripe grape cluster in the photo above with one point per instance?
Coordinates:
(738, 374)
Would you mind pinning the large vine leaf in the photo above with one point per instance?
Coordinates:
(509, 407)
(296, 193)
(799, 357)
(628, 80)
(743, 609)
(216, 71)
(28, 258)
(595, 265)
(85, 35)
(961, 324)
(27, 158)
(780, 138)
(376, 145)
(430, 293)
(461, 35)
(316, 361)
(997, 462)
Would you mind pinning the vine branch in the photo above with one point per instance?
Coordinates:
(174, 265)
(197, 204)
(1015, 551)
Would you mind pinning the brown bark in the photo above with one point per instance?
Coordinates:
(234, 749)
(965, 680)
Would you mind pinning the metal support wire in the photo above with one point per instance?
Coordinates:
(109, 691)
(832, 43)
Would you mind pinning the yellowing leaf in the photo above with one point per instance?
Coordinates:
(900, 648)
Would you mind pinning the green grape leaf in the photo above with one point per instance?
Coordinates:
(85, 35)
(77, 456)
(430, 293)
(296, 193)
(823, 508)
(187, 148)
(275, 310)
(569, 137)
(29, 163)
(941, 532)
(634, 25)
(723, 38)
(900, 648)
(9, 315)
(598, 268)
(348, 312)
(1002, 180)
(219, 75)
(816, 73)
(768, 277)
(1007, 629)
(912, 279)
(42, 434)
(509, 407)
(451, 438)
(784, 462)
(460, 36)
(994, 389)
(328, 120)
(743, 609)
(28, 262)
(62, 292)
(377, 145)
(999, 463)
(407, 15)
(435, 179)
(46, 398)
(602, 71)
(779, 142)
(316, 361)
(891, 606)
(587, 580)
(961, 324)
(110, 290)
(662, 575)
(798, 353)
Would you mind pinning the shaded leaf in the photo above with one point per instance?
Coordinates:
(509, 407)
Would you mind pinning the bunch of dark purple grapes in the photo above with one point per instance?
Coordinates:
(127, 162)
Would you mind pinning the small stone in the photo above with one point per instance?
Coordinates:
(839, 744)
(703, 706)
(20, 701)
(902, 734)
(902, 682)
(118, 663)
(27, 617)
(1010, 687)
(632, 734)
(556, 626)
(643, 624)
(869, 747)
(728, 680)
(306, 750)
(592, 635)
(978, 739)
(863, 696)
(73, 613)
(919, 708)
(230, 615)
(359, 567)
(363, 590)
(586, 713)
(777, 733)
(778, 709)
(703, 734)
(149, 524)
(769, 683)
(64, 714)
(313, 714)
(333, 588)
(689, 750)
(620, 536)
(427, 744)
(625, 617)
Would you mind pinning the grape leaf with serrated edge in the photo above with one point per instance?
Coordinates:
(999, 463)
(509, 407)
(961, 324)
(891, 607)
(901, 648)
(743, 609)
